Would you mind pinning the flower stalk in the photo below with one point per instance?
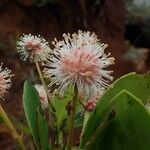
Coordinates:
(44, 85)
(72, 119)
(17, 137)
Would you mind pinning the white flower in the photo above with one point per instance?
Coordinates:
(42, 95)
(79, 59)
(30, 46)
(5, 81)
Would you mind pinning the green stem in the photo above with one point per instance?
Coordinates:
(11, 128)
(44, 85)
(51, 107)
(72, 119)
(86, 117)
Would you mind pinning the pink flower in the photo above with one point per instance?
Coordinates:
(32, 47)
(91, 102)
(42, 95)
(90, 105)
(5, 81)
(79, 59)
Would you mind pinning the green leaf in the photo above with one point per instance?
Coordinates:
(138, 85)
(60, 104)
(30, 103)
(43, 131)
(128, 130)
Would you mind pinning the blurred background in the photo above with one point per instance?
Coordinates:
(123, 24)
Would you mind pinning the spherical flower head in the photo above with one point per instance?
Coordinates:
(5, 81)
(42, 95)
(33, 47)
(79, 59)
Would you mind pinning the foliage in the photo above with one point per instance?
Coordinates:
(61, 104)
(131, 116)
(120, 113)
(35, 117)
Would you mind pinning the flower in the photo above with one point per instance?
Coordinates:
(90, 105)
(79, 59)
(92, 101)
(5, 81)
(42, 95)
(33, 47)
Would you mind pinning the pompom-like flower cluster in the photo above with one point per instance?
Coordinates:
(42, 95)
(79, 59)
(32, 47)
(5, 81)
